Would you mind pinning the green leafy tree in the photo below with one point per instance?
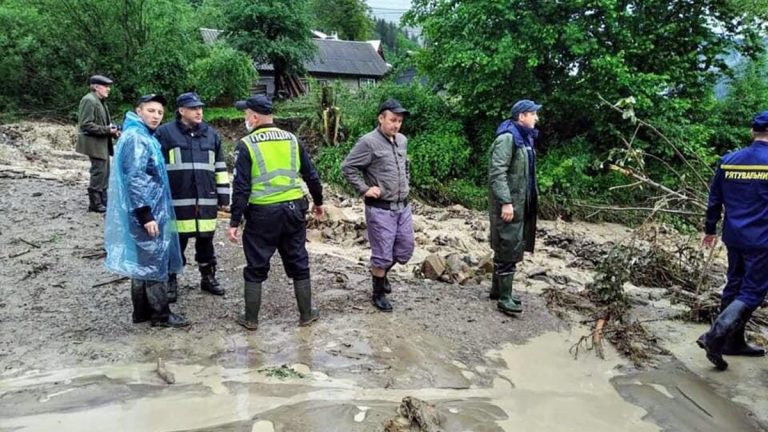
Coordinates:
(349, 18)
(233, 70)
(273, 32)
(664, 53)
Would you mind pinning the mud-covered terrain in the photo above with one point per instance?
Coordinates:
(70, 358)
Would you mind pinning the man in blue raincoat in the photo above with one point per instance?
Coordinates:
(740, 189)
(140, 232)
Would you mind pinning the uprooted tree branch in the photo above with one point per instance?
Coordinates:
(651, 256)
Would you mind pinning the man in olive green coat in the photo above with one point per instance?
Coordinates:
(512, 199)
(94, 139)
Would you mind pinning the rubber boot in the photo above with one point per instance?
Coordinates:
(208, 280)
(494, 295)
(173, 288)
(303, 290)
(141, 311)
(252, 295)
(378, 297)
(387, 285)
(103, 197)
(713, 341)
(736, 344)
(158, 303)
(506, 304)
(94, 201)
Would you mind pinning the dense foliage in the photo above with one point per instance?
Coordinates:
(349, 19)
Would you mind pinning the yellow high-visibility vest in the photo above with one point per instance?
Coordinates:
(275, 166)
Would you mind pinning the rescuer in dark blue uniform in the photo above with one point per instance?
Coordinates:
(740, 187)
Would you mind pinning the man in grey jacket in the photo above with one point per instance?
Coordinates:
(377, 168)
(94, 139)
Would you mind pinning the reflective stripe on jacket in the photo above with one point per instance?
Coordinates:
(197, 173)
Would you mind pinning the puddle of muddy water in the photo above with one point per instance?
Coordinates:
(538, 387)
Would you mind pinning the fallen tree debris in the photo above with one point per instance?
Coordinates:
(415, 413)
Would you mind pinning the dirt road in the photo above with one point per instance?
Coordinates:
(70, 358)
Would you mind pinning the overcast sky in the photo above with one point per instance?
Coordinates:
(390, 10)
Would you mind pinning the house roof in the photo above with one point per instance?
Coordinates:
(346, 58)
(333, 57)
(340, 57)
(210, 35)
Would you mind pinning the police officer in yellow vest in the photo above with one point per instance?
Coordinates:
(266, 191)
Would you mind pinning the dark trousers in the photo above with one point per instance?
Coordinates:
(204, 252)
(281, 227)
(747, 277)
(99, 174)
(501, 268)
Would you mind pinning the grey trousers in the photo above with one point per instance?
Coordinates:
(99, 174)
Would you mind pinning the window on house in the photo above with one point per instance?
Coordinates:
(367, 82)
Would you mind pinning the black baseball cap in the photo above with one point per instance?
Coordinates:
(392, 105)
(100, 79)
(189, 100)
(261, 104)
(151, 98)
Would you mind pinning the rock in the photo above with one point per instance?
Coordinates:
(480, 236)
(433, 267)
(486, 263)
(457, 208)
(454, 263)
(314, 236)
(444, 216)
(328, 233)
(536, 271)
(333, 214)
(433, 248)
(418, 226)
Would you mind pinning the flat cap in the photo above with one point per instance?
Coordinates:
(261, 104)
(99, 79)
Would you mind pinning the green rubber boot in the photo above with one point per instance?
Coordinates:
(506, 302)
(494, 295)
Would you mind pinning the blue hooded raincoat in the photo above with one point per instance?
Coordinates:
(139, 179)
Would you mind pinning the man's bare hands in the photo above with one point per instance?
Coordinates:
(507, 213)
(152, 228)
(373, 192)
(233, 234)
(709, 240)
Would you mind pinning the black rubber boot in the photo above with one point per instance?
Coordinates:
(94, 201)
(103, 197)
(736, 344)
(252, 295)
(141, 311)
(173, 288)
(303, 290)
(208, 280)
(387, 285)
(379, 297)
(494, 294)
(158, 303)
(506, 302)
(713, 341)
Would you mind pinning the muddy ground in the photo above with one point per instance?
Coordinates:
(70, 358)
